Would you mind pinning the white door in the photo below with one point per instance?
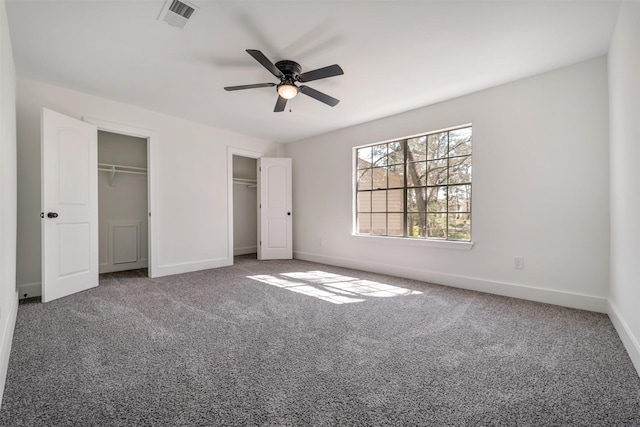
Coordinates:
(69, 205)
(274, 209)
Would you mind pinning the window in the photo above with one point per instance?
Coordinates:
(418, 187)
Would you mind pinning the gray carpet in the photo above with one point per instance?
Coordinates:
(219, 347)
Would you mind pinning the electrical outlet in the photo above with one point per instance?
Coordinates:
(518, 262)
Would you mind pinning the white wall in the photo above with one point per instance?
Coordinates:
(188, 165)
(540, 190)
(8, 293)
(122, 204)
(624, 93)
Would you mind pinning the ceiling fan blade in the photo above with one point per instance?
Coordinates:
(321, 73)
(249, 86)
(322, 97)
(264, 61)
(280, 104)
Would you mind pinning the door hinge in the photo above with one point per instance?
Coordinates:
(260, 242)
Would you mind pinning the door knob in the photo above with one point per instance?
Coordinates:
(288, 213)
(52, 215)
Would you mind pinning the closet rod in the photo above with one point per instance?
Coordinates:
(121, 171)
(250, 183)
(113, 169)
(120, 168)
(244, 181)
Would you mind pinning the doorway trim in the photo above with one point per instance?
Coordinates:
(151, 138)
(233, 151)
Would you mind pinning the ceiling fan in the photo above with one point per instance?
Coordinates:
(289, 72)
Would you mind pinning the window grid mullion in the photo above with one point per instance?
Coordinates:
(405, 220)
(386, 199)
(448, 176)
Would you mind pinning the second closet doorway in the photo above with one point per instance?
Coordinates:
(245, 206)
(122, 202)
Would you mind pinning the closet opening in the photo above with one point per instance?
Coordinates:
(245, 206)
(122, 202)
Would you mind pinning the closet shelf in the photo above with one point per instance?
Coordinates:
(113, 169)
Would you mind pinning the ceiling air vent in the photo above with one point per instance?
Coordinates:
(176, 13)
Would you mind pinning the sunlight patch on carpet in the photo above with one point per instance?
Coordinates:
(331, 287)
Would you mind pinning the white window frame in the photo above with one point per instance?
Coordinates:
(405, 239)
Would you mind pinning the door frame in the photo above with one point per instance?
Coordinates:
(233, 151)
(151, 138)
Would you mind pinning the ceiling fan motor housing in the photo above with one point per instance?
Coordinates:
(290, 69)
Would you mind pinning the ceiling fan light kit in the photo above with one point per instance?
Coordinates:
(287, 90)
(290, 72)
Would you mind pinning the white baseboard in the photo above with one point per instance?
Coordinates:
(531, 293)
(245, 251)
(112, 268)
(30, 290)
(626, 335)
(5, 342)
(187, 267)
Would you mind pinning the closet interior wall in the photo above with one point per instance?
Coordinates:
(122, 200)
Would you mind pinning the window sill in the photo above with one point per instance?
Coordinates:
(433, 243)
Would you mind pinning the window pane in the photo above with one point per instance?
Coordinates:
(379, 155)
(395, 201)
(416, 174)
(437, 172)
(379, 224)
(364, 157)
(460, 226)
(417, 149)
(379, 178)
(437, 199)
(396, 153)
(394, 224)
(459, 198)
(437, 146)
(460, 142)
(416, 200)
(379, 201)
(364, 179)
(364, 202)
(437, 226)
(417, 224)
(460, 170)
(363, 223)
(396, 176)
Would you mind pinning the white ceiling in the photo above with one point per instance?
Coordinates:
(396, 55)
